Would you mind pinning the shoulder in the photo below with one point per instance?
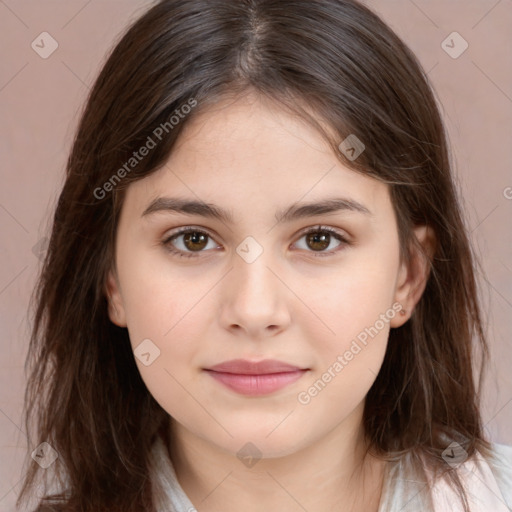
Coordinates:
(502, 456)
(500, 465)
(411, 486)
(488, 481)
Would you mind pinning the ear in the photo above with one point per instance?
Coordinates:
(413, 274)
(116, 310)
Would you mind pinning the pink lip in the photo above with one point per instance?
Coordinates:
(255, 378)
(246, 367)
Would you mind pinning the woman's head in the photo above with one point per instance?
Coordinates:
(253, 286)
(254, 107)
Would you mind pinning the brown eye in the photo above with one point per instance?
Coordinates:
(318, 239)
(195, 241)
(188, 241)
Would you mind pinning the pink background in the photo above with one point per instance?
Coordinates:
(40, 100)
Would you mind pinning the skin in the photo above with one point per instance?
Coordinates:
(253, 159)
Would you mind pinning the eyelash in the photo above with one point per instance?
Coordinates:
(316, 229)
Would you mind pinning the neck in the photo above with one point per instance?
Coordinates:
(335, 471)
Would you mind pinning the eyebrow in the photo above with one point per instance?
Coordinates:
(293, 212)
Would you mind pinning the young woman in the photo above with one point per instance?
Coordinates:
(259, 292)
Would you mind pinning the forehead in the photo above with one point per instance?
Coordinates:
(248, 154)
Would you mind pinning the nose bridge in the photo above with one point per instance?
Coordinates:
(254, 298)
(251, 272)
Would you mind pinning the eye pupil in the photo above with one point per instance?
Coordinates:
(319, 241)
(193, 237)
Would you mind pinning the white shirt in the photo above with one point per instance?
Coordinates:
(488, 484)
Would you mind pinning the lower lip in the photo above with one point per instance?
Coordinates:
(255, 385)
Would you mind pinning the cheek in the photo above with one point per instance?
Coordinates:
(167, 307)
(172, 386)
(352, 298)
(348, 356)
(356, 307)
(156, 295)
(164, 310)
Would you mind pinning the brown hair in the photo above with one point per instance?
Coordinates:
(337, 65)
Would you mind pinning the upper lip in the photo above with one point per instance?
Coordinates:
(246, 367)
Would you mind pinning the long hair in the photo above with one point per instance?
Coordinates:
(339, 67)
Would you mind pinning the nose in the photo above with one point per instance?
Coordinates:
(255, 300)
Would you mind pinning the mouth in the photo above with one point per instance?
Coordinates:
(255, 378)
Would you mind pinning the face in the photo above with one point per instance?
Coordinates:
(319, 291)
